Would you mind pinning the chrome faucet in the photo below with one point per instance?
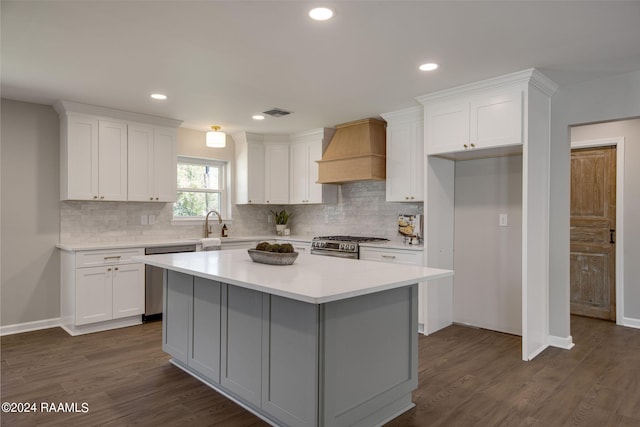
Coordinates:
(207, 232)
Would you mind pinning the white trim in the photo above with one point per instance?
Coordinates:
(37, 325)
(533, 354)
(630, 322)
(618, 142)
(103, 326)
(561, 342)
(70, 107)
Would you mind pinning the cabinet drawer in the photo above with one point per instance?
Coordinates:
(107, 256)
(389, 255)
(304, 247)
(237, 245)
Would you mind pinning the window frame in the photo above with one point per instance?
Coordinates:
(223, 188)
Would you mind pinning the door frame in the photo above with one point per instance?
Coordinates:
(618, 142)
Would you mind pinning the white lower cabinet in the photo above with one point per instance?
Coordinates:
(101, 290)
(238, 245)
(435, 307)
(298, 246)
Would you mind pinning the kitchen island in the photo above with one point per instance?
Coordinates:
(323, 342)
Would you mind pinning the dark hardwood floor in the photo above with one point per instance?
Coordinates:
(468, 377)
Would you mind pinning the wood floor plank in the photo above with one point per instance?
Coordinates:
(467, 377)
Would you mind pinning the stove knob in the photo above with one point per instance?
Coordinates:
(352, 248)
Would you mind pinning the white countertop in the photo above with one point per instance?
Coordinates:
(153, 243)
(71, 247)
(312, 278)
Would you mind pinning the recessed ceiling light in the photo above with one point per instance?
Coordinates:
(158, 96)
(321, 13)
(430, 66)
(258, 117)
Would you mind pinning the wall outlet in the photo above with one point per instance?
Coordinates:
(503, 220)
(143, 220)
(269, 218)
(152, 219)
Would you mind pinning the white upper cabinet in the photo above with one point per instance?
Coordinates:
(496, 118)
(276, 178)
(114, 155)
(79, 158)
(282, 169)
(93, 156)
(481, 119)
(306, 149)
(152, 163)
(250, 163)
(405, 155)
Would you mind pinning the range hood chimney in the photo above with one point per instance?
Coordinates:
(356, 153)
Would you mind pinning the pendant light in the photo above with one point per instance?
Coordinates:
(215, 138)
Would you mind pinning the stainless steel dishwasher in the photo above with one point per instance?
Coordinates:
(153, 280)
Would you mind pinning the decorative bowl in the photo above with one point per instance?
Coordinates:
(272, 258)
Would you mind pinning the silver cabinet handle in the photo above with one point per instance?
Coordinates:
(389, 256)
(113, 257)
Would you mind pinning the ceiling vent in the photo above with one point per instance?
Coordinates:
(277, 112)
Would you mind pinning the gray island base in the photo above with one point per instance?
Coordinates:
(349, 360)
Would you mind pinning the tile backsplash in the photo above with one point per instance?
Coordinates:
(361, 210)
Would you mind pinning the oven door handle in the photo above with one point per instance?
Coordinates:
(336, 254)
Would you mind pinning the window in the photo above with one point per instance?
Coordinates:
(201, 188)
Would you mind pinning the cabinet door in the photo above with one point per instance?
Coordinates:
(447, 126)
(164, 164)
(241, 360)
(112, 160)
(204, 348)
(93, 295)
(128, 290)
(140, 163)
(249, 172)
(80, 165)
(398, 163)
(277, 173)
(178, 296)
(290, 361)
(317, 193)
(299, 183)
(405, 162)
(496, 119)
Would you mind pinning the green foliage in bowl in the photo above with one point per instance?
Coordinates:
(283, 248)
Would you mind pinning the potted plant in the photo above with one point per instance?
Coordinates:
(281, 218)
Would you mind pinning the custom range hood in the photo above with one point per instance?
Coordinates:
(356, 153)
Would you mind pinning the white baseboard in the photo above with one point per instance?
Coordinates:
(29, 326)
(560, 342)
(630, 322)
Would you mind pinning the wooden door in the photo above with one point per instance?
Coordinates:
(593, 223)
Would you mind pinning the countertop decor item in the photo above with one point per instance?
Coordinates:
(272, 258)
(281, 217)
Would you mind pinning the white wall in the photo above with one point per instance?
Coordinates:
(611, 98)
(630, 130)
(30, 278)
(487, 286)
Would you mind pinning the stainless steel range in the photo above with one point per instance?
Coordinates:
(341, 246)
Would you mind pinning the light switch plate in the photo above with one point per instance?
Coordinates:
(502, 220)
(143, 220)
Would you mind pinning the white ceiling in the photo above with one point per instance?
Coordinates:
(220, 62)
